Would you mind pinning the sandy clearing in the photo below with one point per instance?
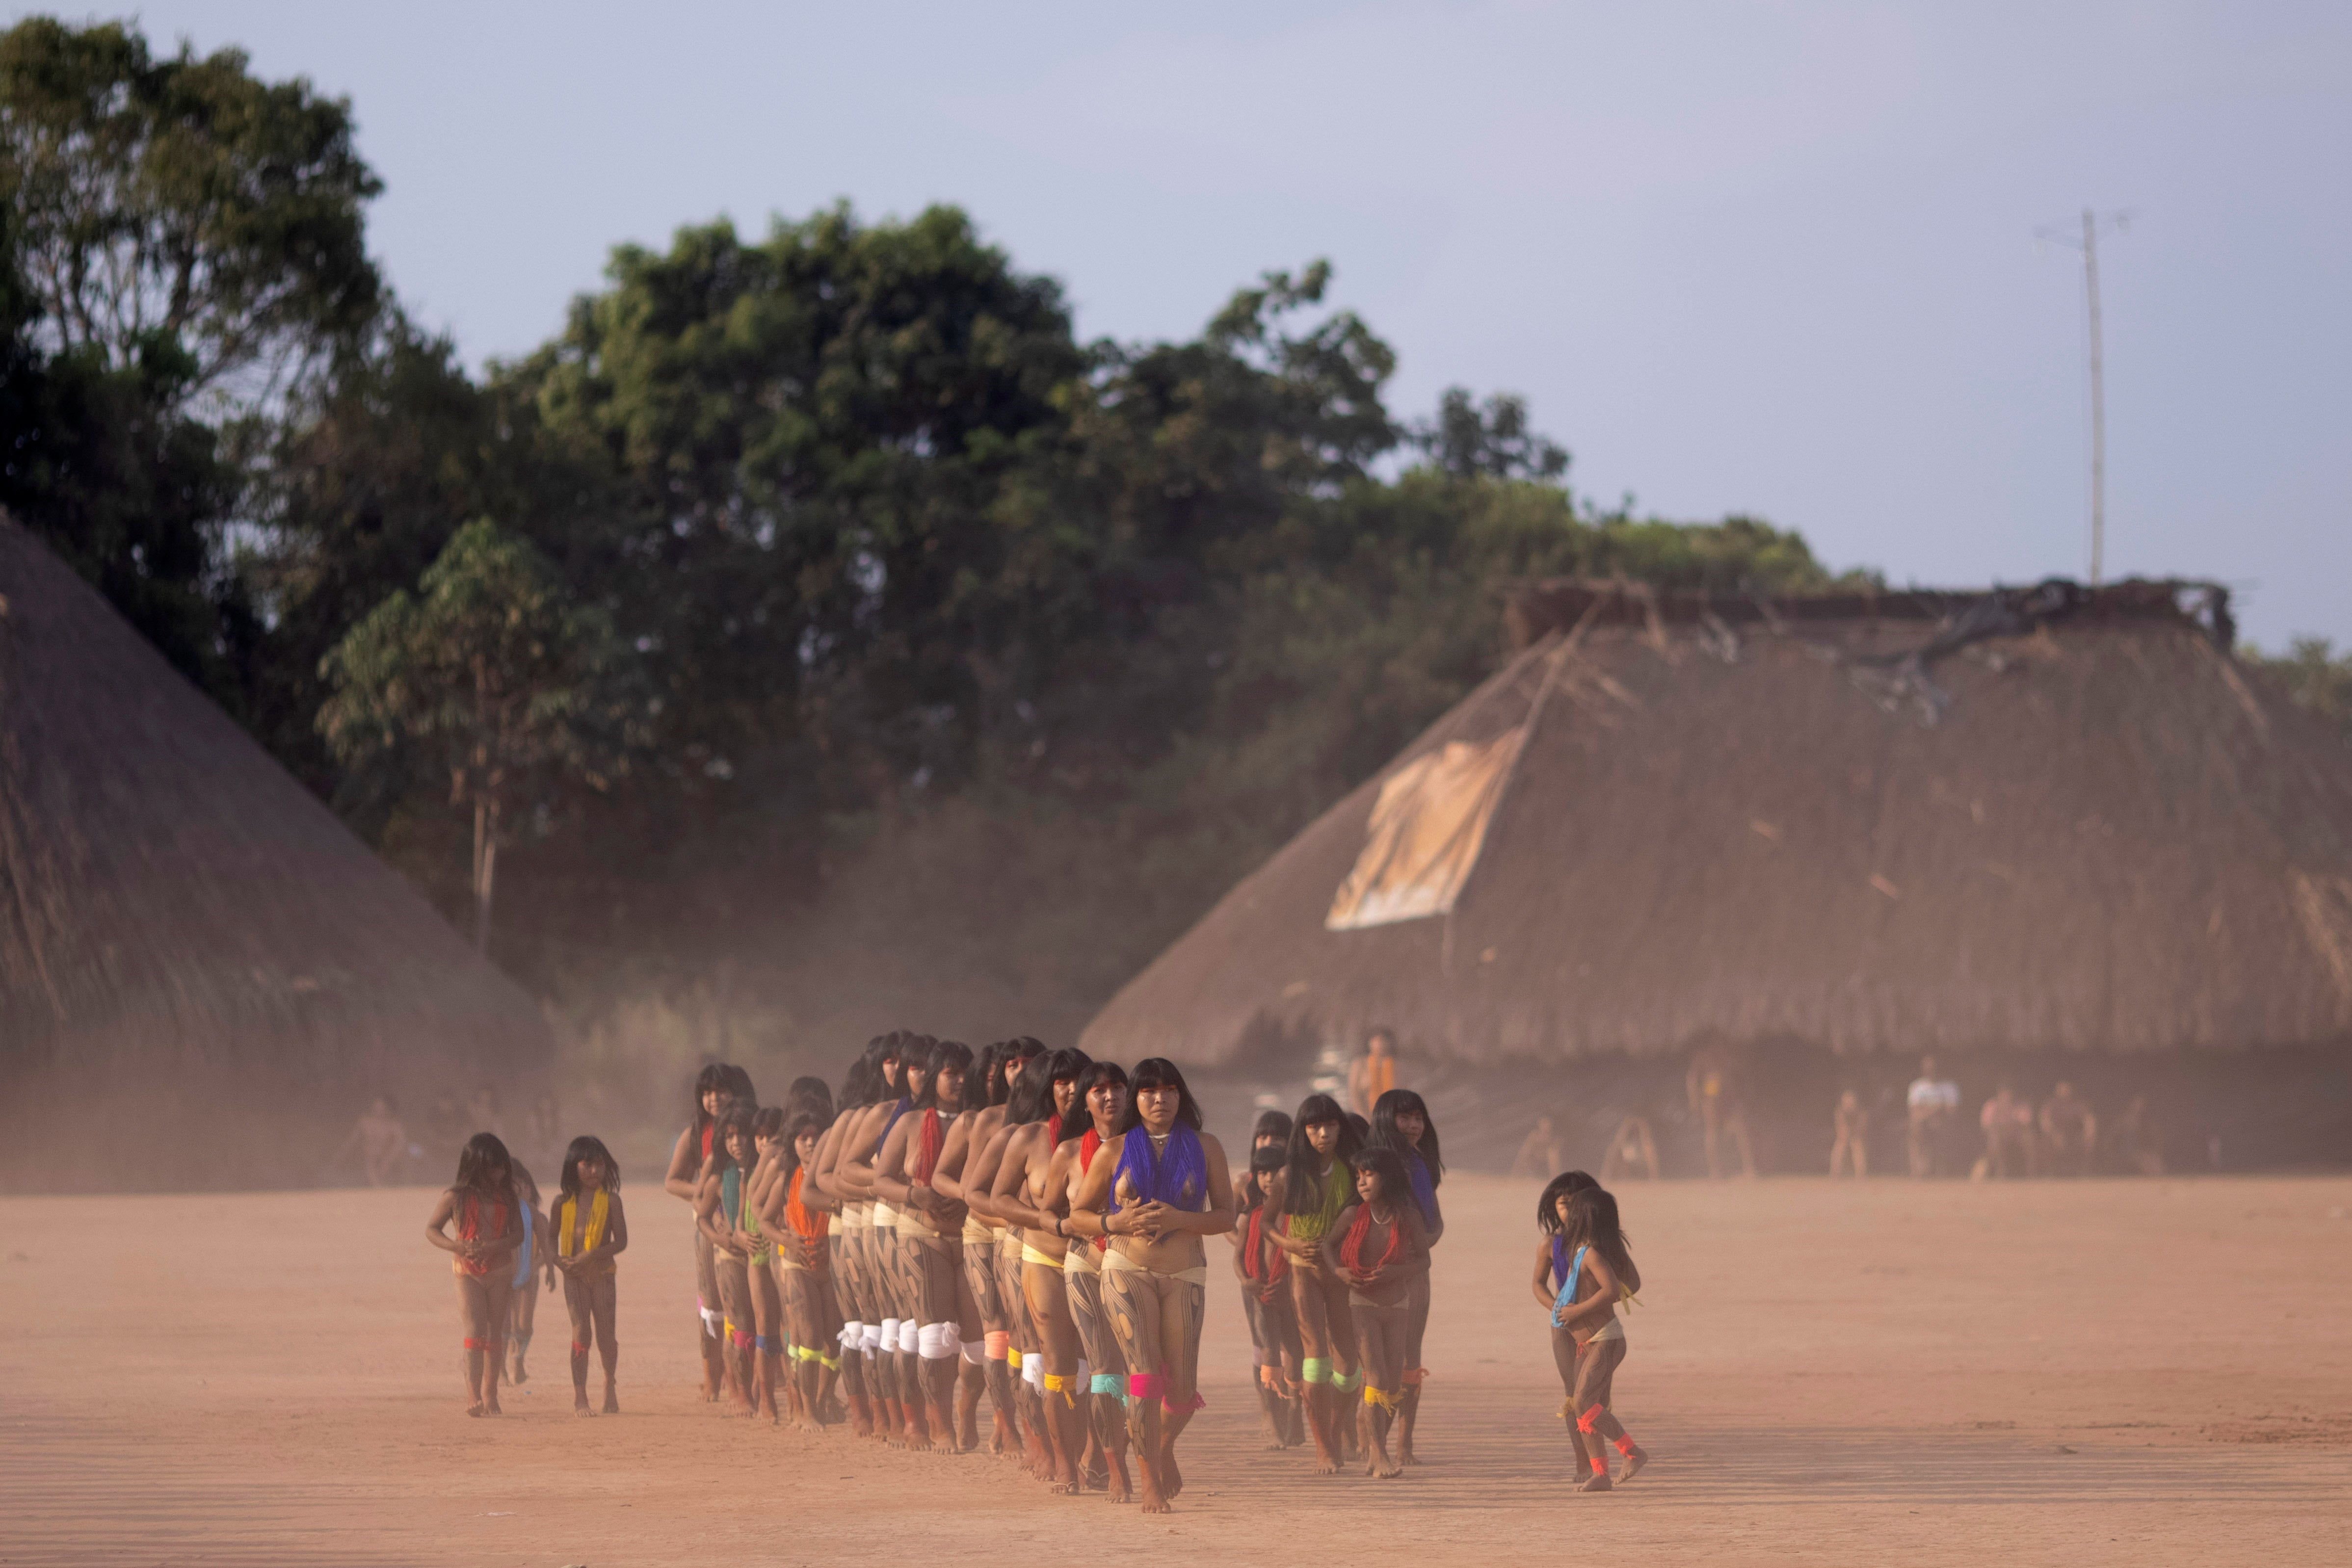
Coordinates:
(2038, 1372)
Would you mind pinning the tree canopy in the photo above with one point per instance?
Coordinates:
(180, 210)
(831, 570)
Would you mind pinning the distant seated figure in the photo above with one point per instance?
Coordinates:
(1538, 1153)
(382, 1141)
(2069, 1132)
(2008, 1122)
(2138, 1147)
(1851, 1153)
(1633, 1151)
(1934, 1104)
(1717, 1099)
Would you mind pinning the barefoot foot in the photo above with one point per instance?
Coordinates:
(1172, 1480)
(1634, 1461)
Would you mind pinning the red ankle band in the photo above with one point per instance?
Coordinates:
(477, 1345)
(1625, 1444)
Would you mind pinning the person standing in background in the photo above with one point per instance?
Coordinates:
(1372, 1074)
(1851, 1151)
(1935, 1104)
(2007, 1120)
(1717, 1091)
(2070, 1132)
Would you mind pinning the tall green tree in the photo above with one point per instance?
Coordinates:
(182, 207)
(1493, 441)
(816, 433)
(180, 243)
(127, 492)
(491, 676)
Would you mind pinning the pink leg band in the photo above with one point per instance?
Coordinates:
(1625, 1444)
(1589, 1420)
(1175, 1408)
(579, 1351)
(1145, 1385)
(997, 1344)
(477, 1345)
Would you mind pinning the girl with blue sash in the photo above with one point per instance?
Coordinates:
(1583, 1269)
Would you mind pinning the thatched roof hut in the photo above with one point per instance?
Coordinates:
(202, 974)
(2048, 820)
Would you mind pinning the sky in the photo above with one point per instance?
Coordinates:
(1769, 259)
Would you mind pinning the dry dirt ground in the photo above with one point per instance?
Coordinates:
(2152, 1372)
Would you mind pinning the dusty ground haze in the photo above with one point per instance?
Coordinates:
(2158, 1372)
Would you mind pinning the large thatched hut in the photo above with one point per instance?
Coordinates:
(202, 974)
(2014, 828)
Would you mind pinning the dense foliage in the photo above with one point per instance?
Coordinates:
(835, 586)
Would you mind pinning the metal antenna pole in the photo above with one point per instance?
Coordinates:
(2098, 401)
(2089, 244)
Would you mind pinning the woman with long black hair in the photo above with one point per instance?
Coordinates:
(482, 1203)
(722, 1215)
(1401, 1120)
(1156, 1190)
(1583, 1269)
(1315, 1182)
(682, 1181)
(1378, 1247)
(590, 1230)
(1102, 1093)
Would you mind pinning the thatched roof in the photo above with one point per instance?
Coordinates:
(2051, 819)
(202, 972)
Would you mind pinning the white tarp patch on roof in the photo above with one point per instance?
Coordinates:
(1425, 833)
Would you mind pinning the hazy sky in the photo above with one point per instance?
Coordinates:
(1767, 257)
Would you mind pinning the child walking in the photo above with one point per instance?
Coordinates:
(1582, 1270)
(590, 1230)
(533, 1259)
(489, 1232)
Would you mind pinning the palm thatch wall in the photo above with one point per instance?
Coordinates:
(202, 974)
(2047, 821)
